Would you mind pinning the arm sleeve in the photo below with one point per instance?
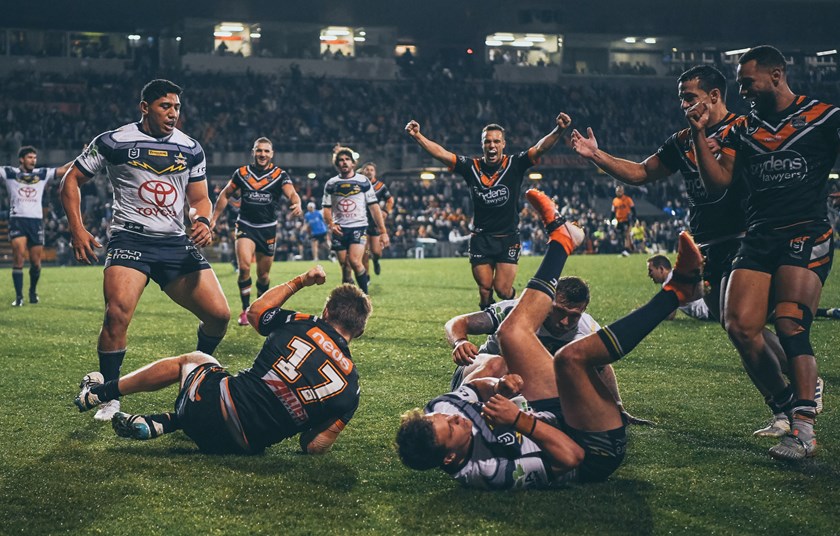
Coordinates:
(273, 318)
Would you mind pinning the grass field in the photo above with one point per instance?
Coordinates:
(698, 471)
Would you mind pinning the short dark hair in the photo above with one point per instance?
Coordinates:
(660, 261)
(493, 126)
(343, 151)
(348, 308)
(158, 88)
(26, 149)
(765, 56)
(573, 290)
(708, 78)
(416, 443)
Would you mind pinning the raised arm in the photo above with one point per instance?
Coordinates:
(294, 200)
(457, 329)
(222, 202)
(277, 296)
(715, 170)
(549, 140)
(633, 173)
(436, 151)
(71, 198)
(200, 211)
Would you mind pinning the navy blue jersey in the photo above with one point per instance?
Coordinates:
(303, 378)
(494, 190)
(711, 215)
(784, 159)
(260, 192)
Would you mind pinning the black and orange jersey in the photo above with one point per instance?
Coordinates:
(785, 158)
(303, 378)
(382, 192)
(261, 192)
(711, 215)
(494, 190)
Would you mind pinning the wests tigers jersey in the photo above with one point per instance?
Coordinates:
(303, 378)
(711, 215)
(260, 193)
(26, 190)
(785, 159)
(383, 194)
(494, 190)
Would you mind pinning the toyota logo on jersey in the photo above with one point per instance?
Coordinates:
(158, 193)
(27, 192)
(346, 205)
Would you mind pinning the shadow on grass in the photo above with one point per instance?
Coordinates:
(619, 506)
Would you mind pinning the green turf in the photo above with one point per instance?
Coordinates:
(699, 471)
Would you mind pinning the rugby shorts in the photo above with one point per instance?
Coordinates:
(808, 245)
(347, 237)
(265, 238)
(494, 249)
(162, 259)
(31, 228)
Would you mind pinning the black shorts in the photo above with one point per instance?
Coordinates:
(494, 249)
(622, 228)
(718, 259)
(163, 259)
(264, 238)
(30, 228)
(372, 229)
(199, 410)
(348, 236)
(807, 245)
(321, 238)
(604, 452)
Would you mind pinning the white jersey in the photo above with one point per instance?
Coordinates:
(149, 177)
(500, 457)
(500, 310)
(26, 190)
(348, 198)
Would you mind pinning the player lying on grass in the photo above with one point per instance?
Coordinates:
(302, 381)
(567, 321)
(481, 438)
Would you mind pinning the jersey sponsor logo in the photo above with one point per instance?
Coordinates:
(260, 198)
(155, 152)
(161, 195)
(778, 169)
(27, 192)
(329, 347)
(496, 196)
(124, 254)
(346, 205)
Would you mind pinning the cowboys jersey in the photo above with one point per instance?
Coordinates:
(348, 198)
(26, 190)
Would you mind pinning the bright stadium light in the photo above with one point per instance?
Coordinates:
(834, 176)
(736, 51)
(133, 37)
(311, 175)
(255, 35)
(535, 175)
(231, 27)
(359, 39)
(504, 37)
(650, 40)
(427, 176)
(222, 34)
(535, 38)
(493, 43)
(827, 52)
(522, 43)
(178, 38)
(630, 40)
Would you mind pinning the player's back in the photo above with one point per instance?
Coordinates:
(302, 378)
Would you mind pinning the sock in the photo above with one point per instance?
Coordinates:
(626, 333)
(107, 391)
(207, 343)
(483, 306)
(362, 280)
(822, 312)
(245, 292)
(34, 276)
(261, 288)
(110, 363)
(804, 414)
(17, 279)
(545, 280)
(166, 423)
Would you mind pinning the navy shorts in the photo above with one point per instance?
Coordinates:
(718, 264)
(264, 238)
(162, 259)
(348, 236)
(31, 228)
(321, 238)
(604, 452)
(372, 229)
(490, 249)
(808, 245)
(199, 411)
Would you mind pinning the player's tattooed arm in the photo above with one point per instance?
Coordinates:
(457, 329)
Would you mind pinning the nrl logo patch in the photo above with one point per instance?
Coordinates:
(798, 122)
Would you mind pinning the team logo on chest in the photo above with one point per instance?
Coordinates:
(798, 122)
(158, 162)
(27, 191)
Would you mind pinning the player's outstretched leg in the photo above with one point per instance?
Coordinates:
(143, 427)
(570, 235)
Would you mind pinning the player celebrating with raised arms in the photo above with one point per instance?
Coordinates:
(153, 168)
(495, 181)
(259, 185)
